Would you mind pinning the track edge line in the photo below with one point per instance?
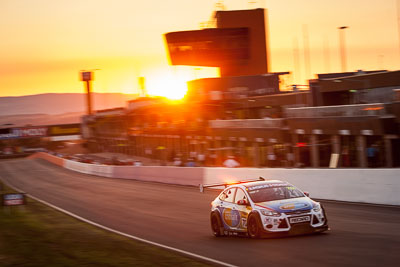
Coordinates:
(186, 253)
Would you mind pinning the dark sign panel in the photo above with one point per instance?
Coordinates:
(14, 199)
(65, 129)
(208, 47)
(5, 130)
(7, 133)
(86, 76)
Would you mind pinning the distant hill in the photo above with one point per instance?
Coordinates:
(48, 109)
(60, 103)
(39, 119)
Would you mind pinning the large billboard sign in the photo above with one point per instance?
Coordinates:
(24, 132)
(40, 131)
(31, 132)
(208, 47)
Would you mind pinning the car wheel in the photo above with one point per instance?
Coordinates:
(216, 225)
(253, 226)
(324, 213)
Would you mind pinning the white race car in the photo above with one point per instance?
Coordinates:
(269, 208)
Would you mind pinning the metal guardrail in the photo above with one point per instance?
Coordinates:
(359, 110)
(251, 123)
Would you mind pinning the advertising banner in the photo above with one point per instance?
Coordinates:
(64, 129)
(39, 131)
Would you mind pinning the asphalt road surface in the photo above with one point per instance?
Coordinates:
(178, 216)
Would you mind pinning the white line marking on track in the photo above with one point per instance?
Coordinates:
(190, 254)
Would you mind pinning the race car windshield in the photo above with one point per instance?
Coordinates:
(274, 193)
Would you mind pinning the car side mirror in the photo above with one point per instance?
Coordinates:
(243, 202)
(307, 194)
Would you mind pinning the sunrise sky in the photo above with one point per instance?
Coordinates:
(45, 43)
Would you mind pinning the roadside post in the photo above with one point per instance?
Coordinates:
(333, 163)
(13, 199)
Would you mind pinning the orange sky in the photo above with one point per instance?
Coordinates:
(45, 43)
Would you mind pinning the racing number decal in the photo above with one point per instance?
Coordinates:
(244, 222)
(243, 219)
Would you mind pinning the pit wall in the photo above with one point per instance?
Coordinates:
(377, 186)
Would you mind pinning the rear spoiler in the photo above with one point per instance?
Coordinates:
(202, 186)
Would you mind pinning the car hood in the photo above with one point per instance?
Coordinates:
(287, 205)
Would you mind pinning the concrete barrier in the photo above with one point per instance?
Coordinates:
(378, 186)
(77, 166)
(162, 174)
(50, 158)
(100, 170)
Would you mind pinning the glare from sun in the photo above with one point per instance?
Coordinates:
(167, 85)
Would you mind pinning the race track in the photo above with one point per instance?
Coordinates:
(178, 216)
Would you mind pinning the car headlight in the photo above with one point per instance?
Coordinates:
(316, 207)
(269, 213)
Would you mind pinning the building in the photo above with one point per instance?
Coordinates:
(262, 130)
(342, 119)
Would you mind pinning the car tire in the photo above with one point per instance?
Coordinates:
(324, 213)
(216, 225)
(254, 226)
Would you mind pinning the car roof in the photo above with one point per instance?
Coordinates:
(260, 183)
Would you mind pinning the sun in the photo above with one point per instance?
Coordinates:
(172, 86)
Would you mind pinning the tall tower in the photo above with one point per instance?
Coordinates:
(256, 20)
(87, 77)
(238, 46)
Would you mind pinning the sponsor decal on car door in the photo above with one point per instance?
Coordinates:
(230, 215)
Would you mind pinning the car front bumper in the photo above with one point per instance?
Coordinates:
(291, 223)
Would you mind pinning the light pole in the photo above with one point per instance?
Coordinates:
(342, 47)
(87, 76)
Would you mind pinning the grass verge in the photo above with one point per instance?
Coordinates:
(37, 235)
